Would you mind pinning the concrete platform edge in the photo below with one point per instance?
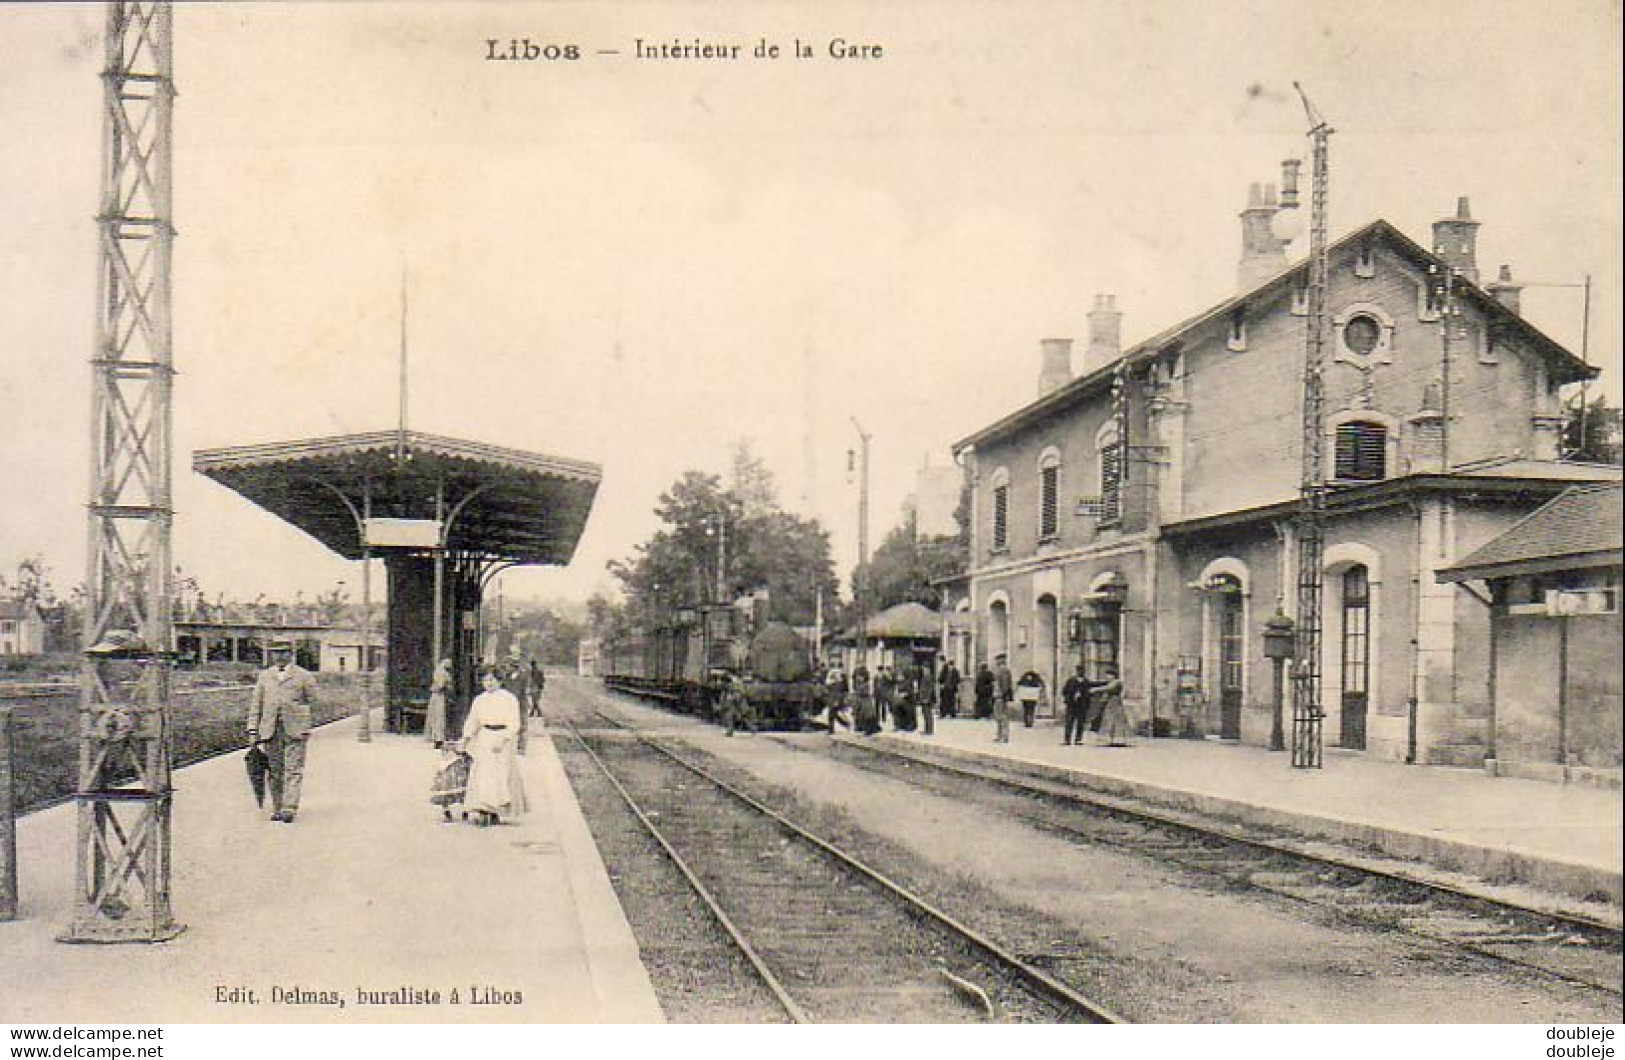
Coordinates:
(620, 981)
(1490, 863)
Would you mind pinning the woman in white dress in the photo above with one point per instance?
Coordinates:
(490, 738)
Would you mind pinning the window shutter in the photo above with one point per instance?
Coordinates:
(1111, 482)
(1049, 480)
(1001, 512)
(1362, 452)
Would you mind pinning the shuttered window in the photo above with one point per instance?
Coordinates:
(1001, 517)
(1111, 482)
(1049, 484)
(1362, 451)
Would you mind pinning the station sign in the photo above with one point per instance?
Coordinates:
(403, 533)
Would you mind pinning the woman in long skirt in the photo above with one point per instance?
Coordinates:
(434, 722)
(490, 738)
(1113, 716)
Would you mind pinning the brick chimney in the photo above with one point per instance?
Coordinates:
(1263, 253)
(1505, 291)
(1055, 364)
(1455, 241)
(1105, 333)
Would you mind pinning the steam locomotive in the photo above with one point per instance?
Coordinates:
(692, 662)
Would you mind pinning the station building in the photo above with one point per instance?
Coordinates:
(1141, 512)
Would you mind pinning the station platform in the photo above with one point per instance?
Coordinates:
(1560, 839)
(368, 892)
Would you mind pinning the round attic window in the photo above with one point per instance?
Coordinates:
(1361, 334)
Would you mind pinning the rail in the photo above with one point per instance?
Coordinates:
(1035, 979)
(1596, 932)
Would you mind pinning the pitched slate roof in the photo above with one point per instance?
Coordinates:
(1564, 366)
(16, 608)
(1580, 528)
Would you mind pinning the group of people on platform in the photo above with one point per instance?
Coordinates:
(910, 698)
(482, 773)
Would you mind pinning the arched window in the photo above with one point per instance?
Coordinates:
(1361, 451)
(1049, 494)
(1110, 447)
(1001, 510)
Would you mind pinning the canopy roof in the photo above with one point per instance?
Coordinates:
(521, 507)
(1578, 530)
(905, 621)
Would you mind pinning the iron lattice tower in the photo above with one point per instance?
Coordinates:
(124, 792)
(1307, 712)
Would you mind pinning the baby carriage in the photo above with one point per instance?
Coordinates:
(450, 783)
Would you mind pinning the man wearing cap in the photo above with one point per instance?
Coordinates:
(279, 721)
(1004, 690)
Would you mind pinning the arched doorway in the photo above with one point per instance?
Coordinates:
(1047, 642)
(1229, 643)
(998, 630)
(1354, 654)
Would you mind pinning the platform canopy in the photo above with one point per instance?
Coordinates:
(509, 505)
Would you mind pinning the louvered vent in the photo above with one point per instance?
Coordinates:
(1362, 452)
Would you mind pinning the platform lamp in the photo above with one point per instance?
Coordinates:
(1278, 636)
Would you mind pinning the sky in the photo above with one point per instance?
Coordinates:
(638, 262)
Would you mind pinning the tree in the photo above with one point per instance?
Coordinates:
(541, 633)
(34, 581)
(1592, 431)
(681, 564)
(331, 605)
(906, 565)
(751, 483)
(186, 596)
(718, 542)
(605, 617)
(790, 557)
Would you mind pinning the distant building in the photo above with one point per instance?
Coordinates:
(1553, 584)
(318, 648)
(587, 657)
(22, 628)
(1141, 514)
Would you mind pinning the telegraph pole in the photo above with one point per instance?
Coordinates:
(124, 793)
(1584, 286)
(861, 581)
(1307, 713)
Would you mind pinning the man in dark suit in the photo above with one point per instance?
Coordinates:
(279, 719)
(1004, 692)
(948, 686)
(1075, 693)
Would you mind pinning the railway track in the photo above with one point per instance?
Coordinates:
(832, 938)
(1563, 946)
